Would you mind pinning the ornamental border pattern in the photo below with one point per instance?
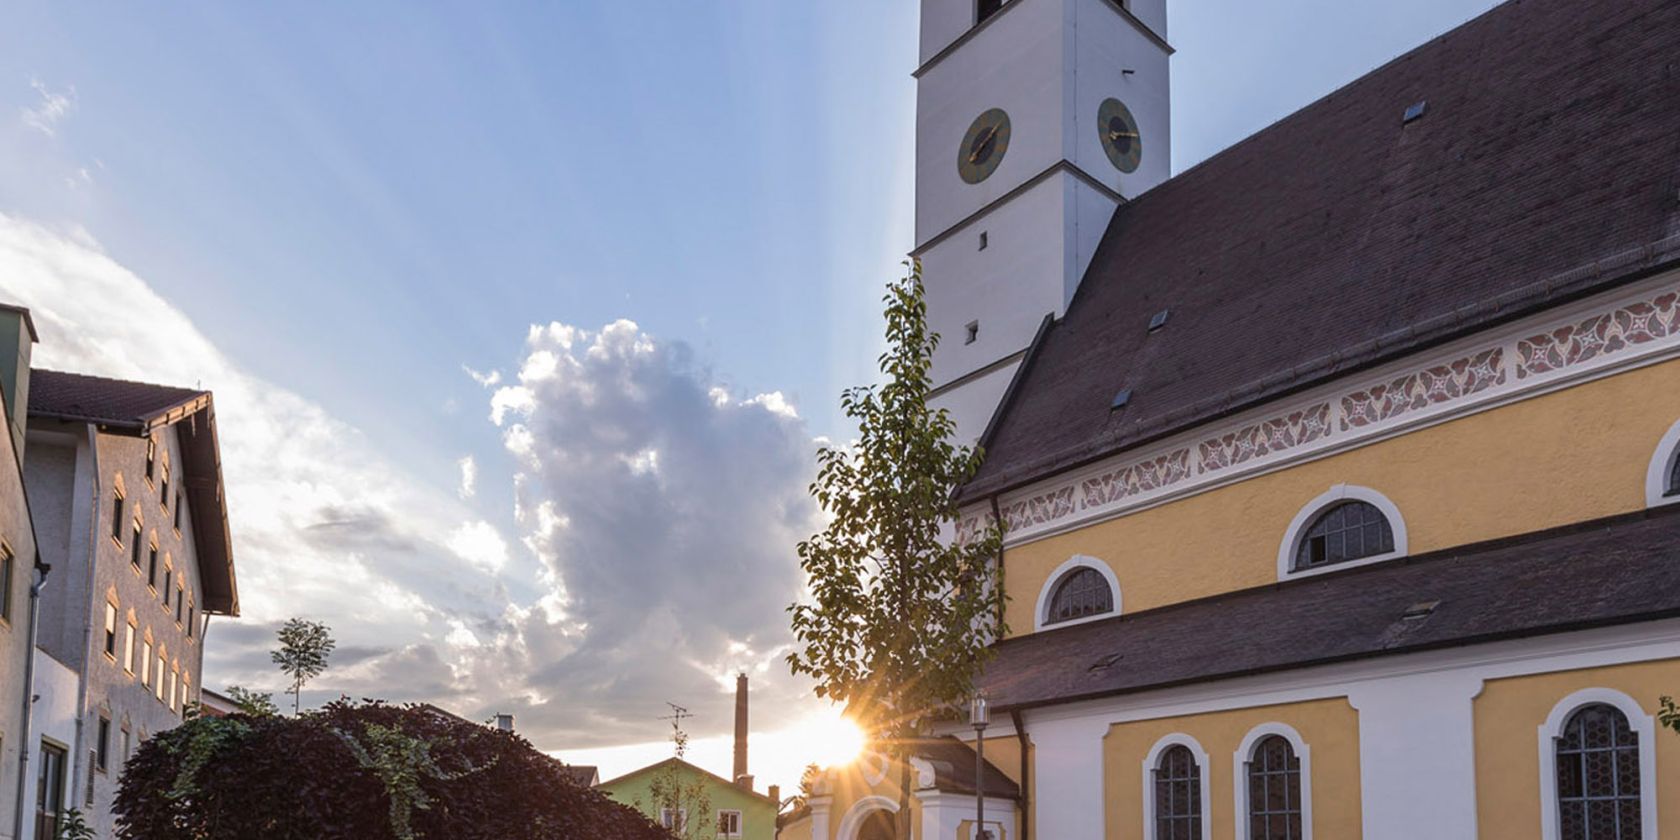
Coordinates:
(1527, 359)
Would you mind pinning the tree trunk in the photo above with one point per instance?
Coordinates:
(904, 831)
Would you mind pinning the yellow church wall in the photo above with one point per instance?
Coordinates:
(1508, 715)
(1330, 729)
(1571, 455)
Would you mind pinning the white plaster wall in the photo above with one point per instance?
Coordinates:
(1068, 776)
(943, 21)
(972, 404)
(1102, 46)
(54, 719)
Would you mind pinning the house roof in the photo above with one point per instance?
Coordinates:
(1612, 571)
(139, 409)
(953, 768)
(691, 767)
(1341, 237)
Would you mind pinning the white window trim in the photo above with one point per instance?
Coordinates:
(681, 821)
(1308, 514)
(1662, 461)
(1176, 739)
(1245, 754)
(1644, 727)
(852, 822)
(740, 822)
(1041, 613)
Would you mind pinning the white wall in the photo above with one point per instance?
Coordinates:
(53, 718)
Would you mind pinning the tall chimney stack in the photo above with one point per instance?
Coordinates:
(741, 728)
(17, 344)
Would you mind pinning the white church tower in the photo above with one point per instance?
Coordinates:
(1035, 119)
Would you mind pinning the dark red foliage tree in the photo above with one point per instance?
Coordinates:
(368, 771)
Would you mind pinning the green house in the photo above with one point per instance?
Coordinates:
(736, 810)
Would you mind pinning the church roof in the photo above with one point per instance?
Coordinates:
(1611, 571)
(1544, 167)
(121, 407)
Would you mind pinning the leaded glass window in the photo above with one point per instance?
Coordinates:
(1674, 478)
(1081, 592)
(1178, 795)
(1598, 776)
(1274, 791)
(1347, 531)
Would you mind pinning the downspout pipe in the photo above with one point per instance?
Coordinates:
(1026, 767)
(42, 570)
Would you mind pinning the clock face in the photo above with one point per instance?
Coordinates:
(1120, 137)
(983, 146)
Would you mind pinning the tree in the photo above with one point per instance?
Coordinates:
(73, 827)
(1669, 715)
(901, 619)
(366, 770)
(252, 702)
(681, 794)
(304, 648)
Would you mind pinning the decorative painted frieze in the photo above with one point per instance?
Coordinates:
(1602, 334)
(1268, 437)
(1528, 358)
(1421, 389)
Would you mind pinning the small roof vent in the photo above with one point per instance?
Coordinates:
(1419, 611)
(1416, 111)
(1104, 663)
(1159, 320)
(1120, 399)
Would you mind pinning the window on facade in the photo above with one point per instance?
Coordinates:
(1178, 795)
(162, 668)
(146, 664)
(1274, 791)
(168, 576)
(729, 823)
(177, 510)
(1598, 777)
(111, 630)
(986, 8)
(1081, 592)
(102, 745)
(49, 790)
(151, 568)
(127, 743)
(191, 615)
(1674, 478)
(675, 819)
(128, 649)
(174, 687)
(117, 517)
(1347, 531)
(180, 603)
(8, 573)
(163, 486)
(151, 456)
(137, 547)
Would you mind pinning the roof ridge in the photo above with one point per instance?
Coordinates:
(114, 380)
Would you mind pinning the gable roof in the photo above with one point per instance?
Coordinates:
(701, 771)
(139, 409)
(1545, 167)
(1612, 571)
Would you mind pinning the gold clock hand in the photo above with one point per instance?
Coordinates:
(987, 138)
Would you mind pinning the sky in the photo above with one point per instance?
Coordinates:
(525, 320)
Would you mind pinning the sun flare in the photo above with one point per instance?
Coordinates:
(831, 739)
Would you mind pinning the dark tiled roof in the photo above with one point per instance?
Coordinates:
(583, 774)
(110, 402)
(953, 768)
(121, 407)
(1547, 165)
(1614, 571)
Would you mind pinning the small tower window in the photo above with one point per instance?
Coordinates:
(984, 9)
(1083, 592)
(984, 240)
(971, 333)
(1347, 531)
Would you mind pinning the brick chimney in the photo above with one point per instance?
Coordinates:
(504, 722)
(741, 732)
(17, 345)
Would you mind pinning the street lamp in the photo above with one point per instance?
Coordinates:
(979, 716)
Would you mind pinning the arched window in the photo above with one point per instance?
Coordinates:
(1346, 531)
(1598, 776)
(1274, 791)
(1081, 593)
(1674, 479)
(1178, 795)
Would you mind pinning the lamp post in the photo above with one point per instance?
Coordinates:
(979, 716)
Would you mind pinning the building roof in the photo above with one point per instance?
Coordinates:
(1342, 237)
(701, 771)
(953, 768)
(139, 409)
(1606, 572)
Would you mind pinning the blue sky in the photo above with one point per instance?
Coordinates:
(354, 203)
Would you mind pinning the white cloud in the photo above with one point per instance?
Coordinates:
(51, 110)
(469, 477)
(480, 544)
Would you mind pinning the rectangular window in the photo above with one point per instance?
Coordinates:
(151, 457)
(116, 517)
(146, 664)
(128, 649)
(151, 566)
(49, 790)
(102, 745)
(8, 573)
(111, 630)
(674, 819)
(137, 547)
(986, 8)
(191, 616)
(729, 823)
(174, 687)
(127, 743)
(162, 666)
(177, 511)
(180, 598)
(163, 487)
(167, 575)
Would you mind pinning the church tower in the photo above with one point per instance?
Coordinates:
(1035, 119)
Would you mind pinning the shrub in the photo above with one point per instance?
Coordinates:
(369, 771)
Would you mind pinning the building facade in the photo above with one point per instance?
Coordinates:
(1343, 499)
(127, 494)
(18, 574)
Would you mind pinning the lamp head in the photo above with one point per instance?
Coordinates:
(979, 711)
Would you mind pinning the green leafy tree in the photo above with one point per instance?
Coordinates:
(682, 794)
(304, 648)
(252, 702)
(1669, 714)
(73, 827)
(901, 618)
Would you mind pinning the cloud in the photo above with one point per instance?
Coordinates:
(51, 110)
(649, 557)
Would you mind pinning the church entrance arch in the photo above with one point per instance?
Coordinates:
(870, 818)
